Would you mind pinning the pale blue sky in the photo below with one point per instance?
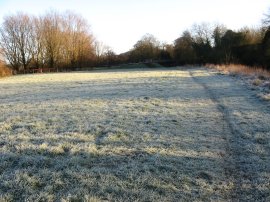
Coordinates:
(120, 23)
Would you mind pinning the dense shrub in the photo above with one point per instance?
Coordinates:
(4, 70)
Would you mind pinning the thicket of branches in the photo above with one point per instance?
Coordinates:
(53, 40)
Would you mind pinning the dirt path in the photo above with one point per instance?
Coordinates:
(247, 131)
(133, 135)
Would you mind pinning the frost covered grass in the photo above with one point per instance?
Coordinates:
(122, 135)
(258, 77)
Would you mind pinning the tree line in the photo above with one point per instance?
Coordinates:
(59, 41)
(65, 41)
(53, 40)
(204, 43)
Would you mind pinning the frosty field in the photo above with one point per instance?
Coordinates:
(133, 135)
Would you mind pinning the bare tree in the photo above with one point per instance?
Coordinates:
(99, 50)
(8, 45)
(52, 37)
(109, 55)
(15, 36)
(266, 20)
(202, 33)
(37, 41)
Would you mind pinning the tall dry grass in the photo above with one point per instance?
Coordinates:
(238, 69)
(4, 70)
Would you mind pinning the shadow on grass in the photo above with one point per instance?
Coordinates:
(134, 175)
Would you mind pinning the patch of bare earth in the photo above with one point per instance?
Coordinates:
(140, 135)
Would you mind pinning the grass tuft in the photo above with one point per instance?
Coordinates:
(237, 69)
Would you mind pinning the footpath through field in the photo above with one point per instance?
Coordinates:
(245, 122)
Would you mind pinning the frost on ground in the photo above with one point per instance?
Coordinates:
(138, 135)
(259, 84)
